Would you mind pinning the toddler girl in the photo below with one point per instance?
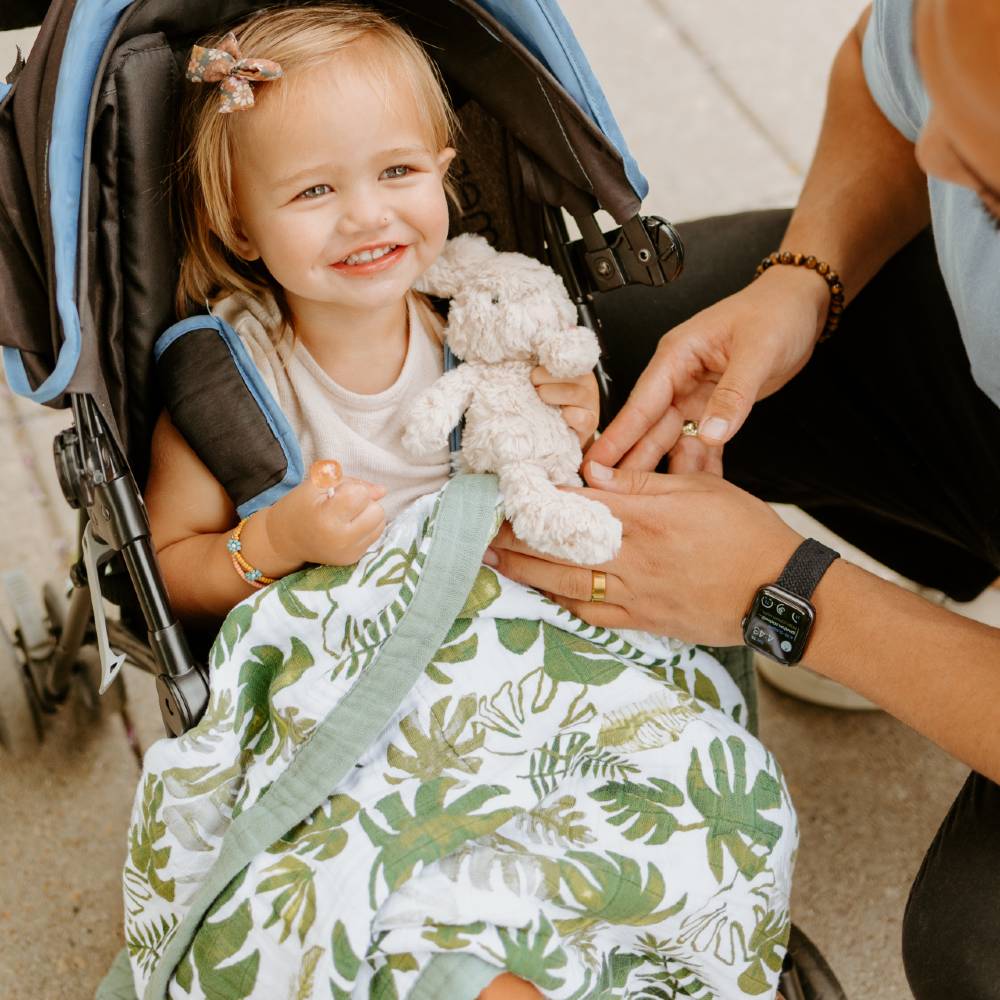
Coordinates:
(580, 808)
(309, 215)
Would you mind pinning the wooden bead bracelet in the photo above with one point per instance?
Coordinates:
(824, 270)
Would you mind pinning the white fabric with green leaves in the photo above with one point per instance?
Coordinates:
(579, 806)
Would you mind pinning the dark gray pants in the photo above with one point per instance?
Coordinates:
(885, 438)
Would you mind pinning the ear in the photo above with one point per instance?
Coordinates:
(462, 258)
(240, 243)
(444, 159)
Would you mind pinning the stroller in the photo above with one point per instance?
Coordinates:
(89, 268)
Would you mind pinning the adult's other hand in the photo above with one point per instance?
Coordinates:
(694, 550)
(712, 369)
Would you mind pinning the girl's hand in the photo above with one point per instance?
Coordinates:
(308, 526)
(578, 398)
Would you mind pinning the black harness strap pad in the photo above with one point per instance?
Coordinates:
(213, 407)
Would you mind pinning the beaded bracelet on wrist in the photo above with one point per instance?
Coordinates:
(824, 270)
(249, 573)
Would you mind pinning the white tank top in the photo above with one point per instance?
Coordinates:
(362, 432)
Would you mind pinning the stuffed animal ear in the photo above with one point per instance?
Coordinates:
(461, 259)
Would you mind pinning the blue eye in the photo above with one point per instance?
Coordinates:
(316, 191)
(392, 173)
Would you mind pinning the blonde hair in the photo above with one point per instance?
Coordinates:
(298, 38)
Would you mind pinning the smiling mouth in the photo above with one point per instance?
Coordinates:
(368, 256)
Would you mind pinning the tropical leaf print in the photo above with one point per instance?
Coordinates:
(321, 835)
(291, 602)
(521, 872)
(550, 763)
(383, 984)
(360, 643)
(573, 753)
(432, 831)
(318, 578)
(345, 961)
(267, 672)
(767, 945)
(453, 650)
(612, 890)
(197, 823)
(616, 967)
(506, 711)
(535, 955)
(296, 899)
(705, 690)
(302, 987)
(214, 724)
(733, 814)
(563, 774)
(643, 805)
(397, 566)
(485, 590)
(215, 947)
(442, 748)
(236, 625)
(452, 937)
(558, 824)
(144, 859)
(518, 635)
(145, 942)
(649, 724)
(570, 658)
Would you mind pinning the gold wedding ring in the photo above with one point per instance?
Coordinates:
(598, 586)
(690, 428)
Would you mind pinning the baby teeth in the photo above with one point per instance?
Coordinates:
(367, 256)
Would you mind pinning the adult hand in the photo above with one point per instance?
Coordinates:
(694, 550)
(712, 369)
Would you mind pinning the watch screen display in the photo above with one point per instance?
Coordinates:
(778, 625)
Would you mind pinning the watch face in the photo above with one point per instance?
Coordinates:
(778, 624)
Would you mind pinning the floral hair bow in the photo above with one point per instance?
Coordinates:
(227, 67)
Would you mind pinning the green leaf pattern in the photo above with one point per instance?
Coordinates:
(573, 804)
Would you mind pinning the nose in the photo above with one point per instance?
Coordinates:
(364, 211)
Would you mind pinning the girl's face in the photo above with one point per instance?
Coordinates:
(338, 192)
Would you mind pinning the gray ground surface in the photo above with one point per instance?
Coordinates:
(721, 104)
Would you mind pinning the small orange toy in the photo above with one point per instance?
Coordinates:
(326, 475)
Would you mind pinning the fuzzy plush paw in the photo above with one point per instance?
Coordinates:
(570, 352)
(427, 427)
(571, 527)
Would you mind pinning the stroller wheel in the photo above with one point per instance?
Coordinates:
(20, 721)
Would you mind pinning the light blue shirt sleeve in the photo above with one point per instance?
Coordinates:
(890, 67)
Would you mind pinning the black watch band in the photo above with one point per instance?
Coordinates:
(803, 570)
(780, 618)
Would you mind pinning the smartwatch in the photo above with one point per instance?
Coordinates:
(780, 618)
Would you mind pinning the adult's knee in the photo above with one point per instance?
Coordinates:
(951, 929)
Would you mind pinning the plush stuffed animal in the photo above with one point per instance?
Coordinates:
(509, 313)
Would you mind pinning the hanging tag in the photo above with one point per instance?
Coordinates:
(111, 662)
